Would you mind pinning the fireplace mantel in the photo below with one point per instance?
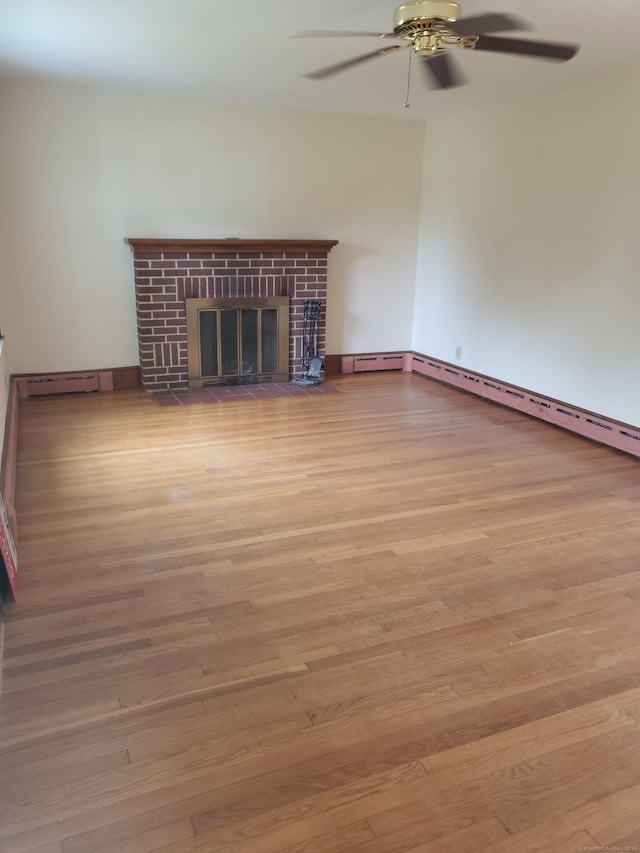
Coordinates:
(229, 245)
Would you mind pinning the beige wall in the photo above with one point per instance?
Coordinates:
(527, 245)
(82, 168)
(529, 252)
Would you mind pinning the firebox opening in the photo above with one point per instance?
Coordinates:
(236, 341)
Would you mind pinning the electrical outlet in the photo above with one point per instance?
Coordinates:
(458, 353)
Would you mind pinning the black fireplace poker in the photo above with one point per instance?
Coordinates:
(311, 362)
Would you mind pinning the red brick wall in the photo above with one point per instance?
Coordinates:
(164, 280)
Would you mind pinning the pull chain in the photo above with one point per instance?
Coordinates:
(406, 103)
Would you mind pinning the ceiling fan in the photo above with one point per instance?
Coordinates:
(430, 27)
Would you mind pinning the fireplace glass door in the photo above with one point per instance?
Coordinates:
(238, 341)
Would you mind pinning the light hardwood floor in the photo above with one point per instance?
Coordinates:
(394, 618)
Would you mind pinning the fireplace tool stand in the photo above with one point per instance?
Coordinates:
(311, 362)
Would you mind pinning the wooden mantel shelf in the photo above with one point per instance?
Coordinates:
(230, 244)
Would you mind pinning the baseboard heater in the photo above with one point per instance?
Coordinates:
(8, 517)
(580, 421)
(45, 384)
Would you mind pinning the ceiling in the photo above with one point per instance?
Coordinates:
(243, 52)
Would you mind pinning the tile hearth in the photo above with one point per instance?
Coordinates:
(234, 393)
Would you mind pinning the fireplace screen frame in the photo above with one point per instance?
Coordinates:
(194, 309)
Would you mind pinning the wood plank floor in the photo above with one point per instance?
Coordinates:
(394, 618)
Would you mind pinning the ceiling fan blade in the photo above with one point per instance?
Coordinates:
(321, 34)
(440, 71)
(490, 23)
(539, 49)
(349, 63)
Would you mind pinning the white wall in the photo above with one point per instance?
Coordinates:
(529, 252)
(82, 168)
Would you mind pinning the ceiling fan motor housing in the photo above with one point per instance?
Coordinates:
(424, 11)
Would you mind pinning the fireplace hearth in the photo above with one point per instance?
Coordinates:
(169, 273)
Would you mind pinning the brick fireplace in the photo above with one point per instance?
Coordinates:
(167, 272)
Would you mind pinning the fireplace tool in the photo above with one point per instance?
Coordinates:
(311, 362)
